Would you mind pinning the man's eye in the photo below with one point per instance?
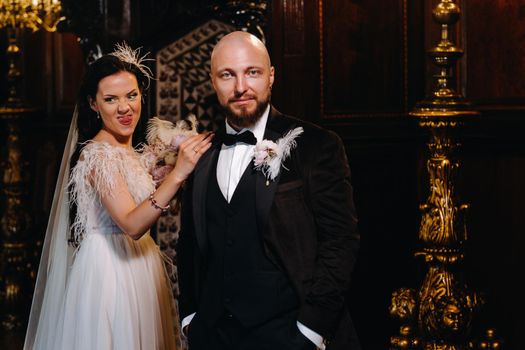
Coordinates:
(253, 72)
(226, 75)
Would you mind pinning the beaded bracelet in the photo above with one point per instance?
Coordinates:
(156, 206)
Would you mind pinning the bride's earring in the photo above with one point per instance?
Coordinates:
(98, 114)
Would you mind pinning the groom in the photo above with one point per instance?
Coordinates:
(265, 255)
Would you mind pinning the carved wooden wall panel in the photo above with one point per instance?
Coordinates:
(496, 51)
(54, 66)
(362, 56)
(491, 180)
(345, 58)
(294, 48)
(68, 70)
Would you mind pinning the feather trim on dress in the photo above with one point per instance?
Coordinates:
(97, 173)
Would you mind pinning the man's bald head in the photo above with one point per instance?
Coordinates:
(239, 40)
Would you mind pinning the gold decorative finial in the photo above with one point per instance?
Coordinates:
(444, 100)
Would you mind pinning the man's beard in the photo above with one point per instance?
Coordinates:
(244, 119)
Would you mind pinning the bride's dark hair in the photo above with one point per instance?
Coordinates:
(88, 125)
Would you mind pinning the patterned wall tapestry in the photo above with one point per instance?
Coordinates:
(183, 84)
(183, 88)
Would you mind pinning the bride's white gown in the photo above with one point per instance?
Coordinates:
(118, 295)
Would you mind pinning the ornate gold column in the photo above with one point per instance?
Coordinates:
(438, 316)
(16, 269)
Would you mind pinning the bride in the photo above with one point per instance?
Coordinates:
(112, 291)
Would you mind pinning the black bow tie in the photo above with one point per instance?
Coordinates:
(244, 137)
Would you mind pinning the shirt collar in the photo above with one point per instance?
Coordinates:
(257, 129)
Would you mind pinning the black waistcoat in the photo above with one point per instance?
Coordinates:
(240, 279)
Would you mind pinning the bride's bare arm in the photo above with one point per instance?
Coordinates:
(136, 220)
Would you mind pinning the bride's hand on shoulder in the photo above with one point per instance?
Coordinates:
(190, 151)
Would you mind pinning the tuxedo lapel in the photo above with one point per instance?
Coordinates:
(201, 177)
(276, 127)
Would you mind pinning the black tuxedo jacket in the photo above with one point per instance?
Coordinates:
(308, 224)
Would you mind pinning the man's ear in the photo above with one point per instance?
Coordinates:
(92, 104)
(272, 76)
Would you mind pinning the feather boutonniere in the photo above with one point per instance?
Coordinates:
(269, 155)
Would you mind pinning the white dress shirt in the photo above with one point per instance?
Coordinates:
(231, 165)
(234, 159)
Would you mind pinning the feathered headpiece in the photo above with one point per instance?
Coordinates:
(126, 54)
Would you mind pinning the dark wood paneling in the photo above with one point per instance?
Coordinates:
(496, 51)
(294, 40)
(294, 50)
(494, 161)
(37, 63)
(386, 198)
(54, 66)
(362, 58)
(491, 180)
(347, 59)
(44, 162)
(68, 71)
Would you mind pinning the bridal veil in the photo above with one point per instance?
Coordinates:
(55, 261)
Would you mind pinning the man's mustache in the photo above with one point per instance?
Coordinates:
(243, 97)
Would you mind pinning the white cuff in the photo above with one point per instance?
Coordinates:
(314, 337)
(186, 321)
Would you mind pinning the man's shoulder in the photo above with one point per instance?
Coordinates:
(313, 135)
(310, 130)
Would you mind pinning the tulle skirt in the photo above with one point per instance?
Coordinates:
(118, 297)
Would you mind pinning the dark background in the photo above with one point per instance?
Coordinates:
(356, 67)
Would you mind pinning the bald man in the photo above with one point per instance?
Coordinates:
(265, 257)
